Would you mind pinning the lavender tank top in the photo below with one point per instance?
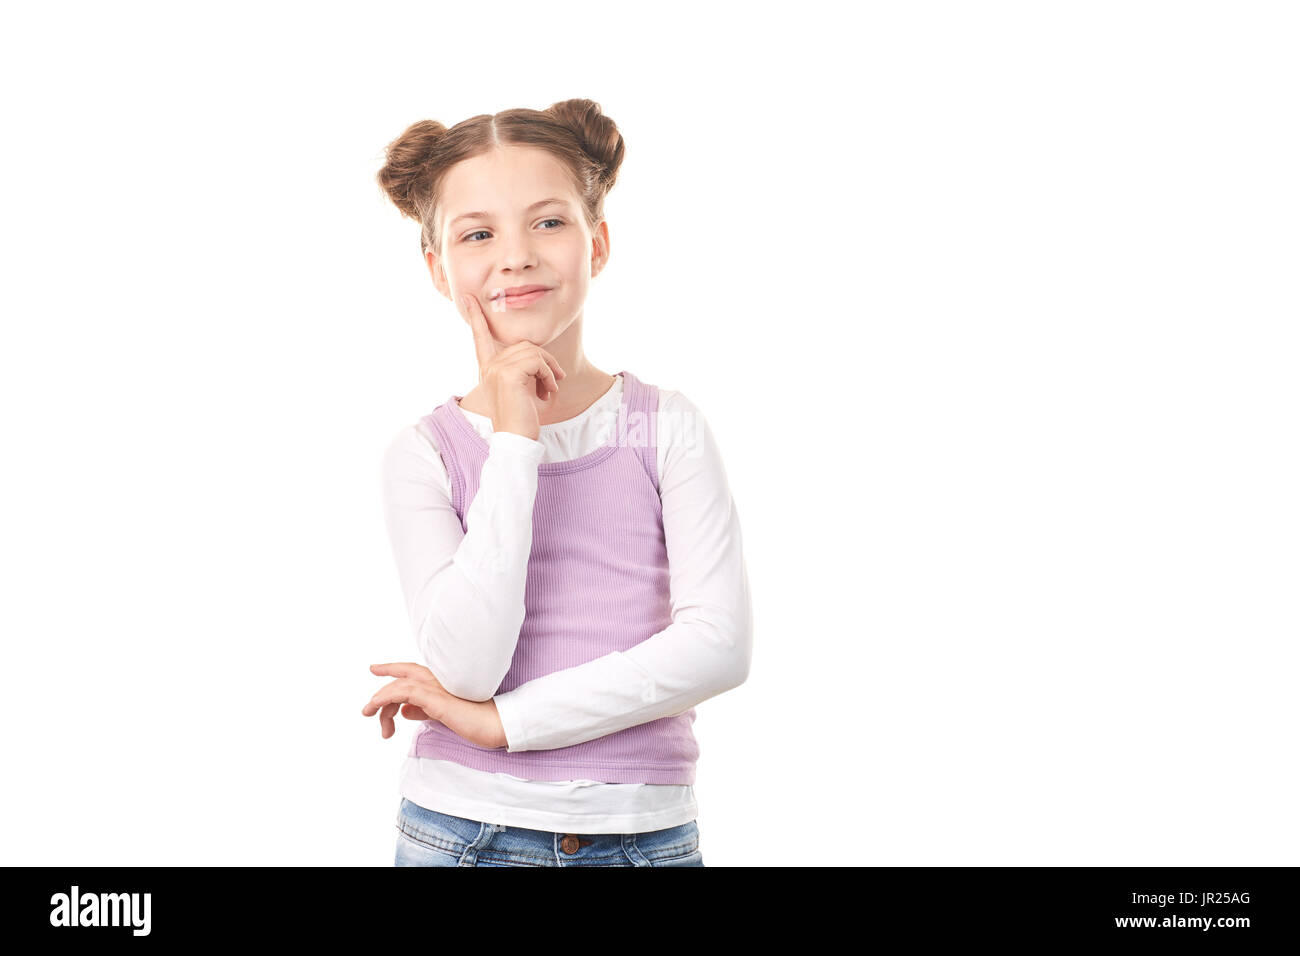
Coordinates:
(597, 583)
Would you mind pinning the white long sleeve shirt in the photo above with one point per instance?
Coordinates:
(464, 596)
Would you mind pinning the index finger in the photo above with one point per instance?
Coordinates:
(401, 669)
(484, 348)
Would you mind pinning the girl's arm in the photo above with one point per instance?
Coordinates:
(707, 648)
(464, 589)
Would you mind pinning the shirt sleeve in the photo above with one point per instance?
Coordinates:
(707, 648)
(464, 589)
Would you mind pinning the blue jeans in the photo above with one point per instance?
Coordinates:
(429, 838)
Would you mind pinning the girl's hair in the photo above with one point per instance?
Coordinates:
(574, 131)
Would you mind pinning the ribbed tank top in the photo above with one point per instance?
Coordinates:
(597, 583)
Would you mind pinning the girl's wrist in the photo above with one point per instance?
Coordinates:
(499, 730)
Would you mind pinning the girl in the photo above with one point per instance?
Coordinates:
(565, 537)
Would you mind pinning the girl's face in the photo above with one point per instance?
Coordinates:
(510, 218)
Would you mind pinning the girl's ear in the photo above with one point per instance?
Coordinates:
(599, 247)
(436, 271)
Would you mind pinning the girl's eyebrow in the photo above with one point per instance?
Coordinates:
(483, 215)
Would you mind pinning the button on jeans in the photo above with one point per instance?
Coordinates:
(429, 838)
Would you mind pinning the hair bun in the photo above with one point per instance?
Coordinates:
(597, 133)
(405, 174)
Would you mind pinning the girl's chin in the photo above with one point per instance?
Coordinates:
(515, 332)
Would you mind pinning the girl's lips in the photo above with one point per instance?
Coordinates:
(503, 302)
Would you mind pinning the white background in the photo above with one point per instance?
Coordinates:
(991, 307)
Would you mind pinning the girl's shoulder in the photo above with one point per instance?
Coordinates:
(412, 455)
(682, 429)
(418, 441)
(675, 405)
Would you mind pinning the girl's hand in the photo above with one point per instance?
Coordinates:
(517, 379)
(419, 696)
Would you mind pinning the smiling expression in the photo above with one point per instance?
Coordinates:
(510, 221)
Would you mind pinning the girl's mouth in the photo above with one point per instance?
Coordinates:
(501, 301)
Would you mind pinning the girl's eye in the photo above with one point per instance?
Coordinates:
(469, 236)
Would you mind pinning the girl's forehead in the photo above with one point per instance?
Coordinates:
(510, 173)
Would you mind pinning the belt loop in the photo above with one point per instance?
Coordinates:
(470, 856)
(633, 852)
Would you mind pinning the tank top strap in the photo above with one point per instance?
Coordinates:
(445, 433)
(640, 430)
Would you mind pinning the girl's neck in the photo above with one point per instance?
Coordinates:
(575, 397)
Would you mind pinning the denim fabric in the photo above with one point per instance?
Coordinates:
(429, 838)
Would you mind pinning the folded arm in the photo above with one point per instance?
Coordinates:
(464, 589)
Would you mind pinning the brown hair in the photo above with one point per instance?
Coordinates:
(574, 131)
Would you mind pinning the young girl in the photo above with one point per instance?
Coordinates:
(565, 537)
